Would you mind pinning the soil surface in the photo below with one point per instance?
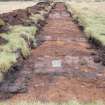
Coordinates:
(62, 67)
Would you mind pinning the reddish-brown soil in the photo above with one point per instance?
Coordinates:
(77, 77)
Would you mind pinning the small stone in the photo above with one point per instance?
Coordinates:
(97, 60)
(83, 62)
(93, 53)
(103, 63)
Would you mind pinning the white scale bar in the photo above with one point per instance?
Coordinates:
(56, 63)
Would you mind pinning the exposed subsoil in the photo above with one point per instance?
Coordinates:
(62, 67)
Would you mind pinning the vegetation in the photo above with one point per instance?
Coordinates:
(36, 17)
(92, 17)
(6, 60)
(26, 32)
(74, 102)
(86, 0)
(19, 39)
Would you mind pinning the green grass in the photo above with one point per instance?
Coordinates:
(16, 43)
(20, 41)
(26, 32)
(6, 61)
(92, 17)
(19, 38)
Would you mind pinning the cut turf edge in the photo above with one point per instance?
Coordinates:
(21, 39)
(92, 22)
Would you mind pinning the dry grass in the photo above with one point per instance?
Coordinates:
(82, 0)
(73, 102)
(9, 6)
(18, 38)
(92, 17)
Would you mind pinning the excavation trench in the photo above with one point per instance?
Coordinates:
(62, 67)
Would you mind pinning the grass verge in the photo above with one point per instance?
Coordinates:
(92, 17)
(74, 102)
(19, 40)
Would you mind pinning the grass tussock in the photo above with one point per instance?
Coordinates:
(19, 39)
(91, 16)
(36, 18)
(15, 44)
(26, 32)
(6, 61)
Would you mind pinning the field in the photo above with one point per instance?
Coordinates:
(10, 6)
(52, 53)
(92, 17)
